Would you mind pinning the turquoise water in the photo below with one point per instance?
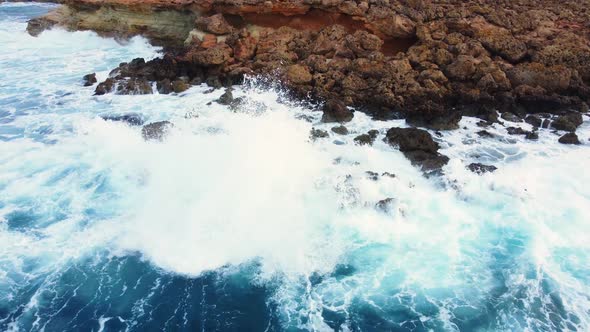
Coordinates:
(239, 222)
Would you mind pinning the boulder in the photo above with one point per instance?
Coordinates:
(569, 122)
(89, 79)
(418, 146)
(569, 138)
(340, 130)
(335, 111)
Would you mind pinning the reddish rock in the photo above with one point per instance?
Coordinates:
(214, 24)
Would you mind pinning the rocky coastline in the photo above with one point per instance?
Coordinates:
(430, 62)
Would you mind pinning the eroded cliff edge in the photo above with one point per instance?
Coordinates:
(429, 61)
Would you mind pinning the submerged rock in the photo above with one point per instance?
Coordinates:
(318, 133)
(481, 168)
(226, 98)
(418, 146)
(385, 205)
(156, 130)
(132, 119)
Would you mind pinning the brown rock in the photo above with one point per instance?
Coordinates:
(214, 24)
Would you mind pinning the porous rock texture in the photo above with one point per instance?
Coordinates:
(428, 61)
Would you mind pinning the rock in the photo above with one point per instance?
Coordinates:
(335, 111)
(37, 25)
(532, 135)
(411, 139)
(385, 205)
(569, 122)
(418, 146)
(104, 87)
(132, 119)
(390, 175)
(511, 117)
(485, 134)
(164, 86)
(226, 98)
(156, 130)
(340, 130)
(534, 120)
(569, 138)
(481, 168)
(364, 139)
(179, 86)
(214, 24)
(298, 74)
(516, 131)
(372, 175)
(318, 133)
(135, 86)
(89, 79)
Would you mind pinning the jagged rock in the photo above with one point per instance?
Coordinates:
(89, 79)
(214, 24)
(336, 111)
(481, 168)
(532, 135)
(569, 122)
(340, 130)
(105, 87)
(156, 130)
(372, 175)
(418, 146)
(569, 138)
(179, 86)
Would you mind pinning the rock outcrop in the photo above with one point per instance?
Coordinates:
(428, 61)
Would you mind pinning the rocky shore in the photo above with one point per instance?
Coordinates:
(429, 62)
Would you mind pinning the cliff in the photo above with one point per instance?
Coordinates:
(429, 61)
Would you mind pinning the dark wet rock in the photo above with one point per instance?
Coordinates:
(89, 79)
(481, 168)
(336, 111)
(365, 139)
(156, 130)
(390, 175)
(534, 120)
(214, 82)
(418, 146)
(372, 175)
(385, 205)
(532, 135)
(135, 86)
(569, 138)
(483, 124)
(105, 87)
(485, 134)
(516, 131)
(318, 133)
(132, 119)
(569, 122)
(373, 133)
(37, 25)
(340, 130)
(226, 98)
(164, 86)
(434, 120)
(511, 117)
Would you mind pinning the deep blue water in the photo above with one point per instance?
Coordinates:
(238, 222)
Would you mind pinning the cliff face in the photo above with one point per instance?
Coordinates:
(428, 60)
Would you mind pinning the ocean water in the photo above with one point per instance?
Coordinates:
(238, 221)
